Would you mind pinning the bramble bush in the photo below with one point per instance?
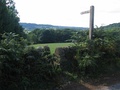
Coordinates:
(25, 68)
(90, 58)
(100, 55)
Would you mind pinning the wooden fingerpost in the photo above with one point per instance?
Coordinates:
(91, 27)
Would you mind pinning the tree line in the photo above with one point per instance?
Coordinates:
(52, 36)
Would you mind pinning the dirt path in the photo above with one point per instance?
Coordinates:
(111, 82)
(86, 86)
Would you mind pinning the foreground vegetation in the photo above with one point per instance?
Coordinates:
(27, 68)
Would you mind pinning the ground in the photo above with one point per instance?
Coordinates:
(111, 82)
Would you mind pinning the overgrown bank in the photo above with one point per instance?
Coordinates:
(27, 68)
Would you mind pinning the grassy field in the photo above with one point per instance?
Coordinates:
(53, 46)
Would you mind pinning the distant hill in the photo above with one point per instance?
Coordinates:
(32, 26)
(113, 25)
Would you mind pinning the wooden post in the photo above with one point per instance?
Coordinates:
(91, 27)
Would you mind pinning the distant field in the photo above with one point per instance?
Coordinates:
(53, 46)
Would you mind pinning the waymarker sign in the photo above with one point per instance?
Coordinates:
(91, 26)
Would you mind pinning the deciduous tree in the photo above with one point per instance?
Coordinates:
(9, 20)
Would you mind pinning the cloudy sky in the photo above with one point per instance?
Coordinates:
(67, 12)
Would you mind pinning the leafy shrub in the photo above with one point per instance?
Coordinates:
(99, 55)
(39, 68)
(11, 47)
(25, 68)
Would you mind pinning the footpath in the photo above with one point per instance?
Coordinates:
(111, 82)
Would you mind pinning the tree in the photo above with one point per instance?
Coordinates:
(48, 36)
(34, 36)
(9, 21)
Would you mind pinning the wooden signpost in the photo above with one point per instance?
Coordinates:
(91, 26)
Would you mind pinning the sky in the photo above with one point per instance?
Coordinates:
(67, 12)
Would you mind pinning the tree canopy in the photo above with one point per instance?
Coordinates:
(9, 20)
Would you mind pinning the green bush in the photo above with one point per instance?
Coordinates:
(99, 55)
(39, 68)
(11, 47)
(25, 68)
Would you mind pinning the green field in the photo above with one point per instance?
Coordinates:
(53, 46)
